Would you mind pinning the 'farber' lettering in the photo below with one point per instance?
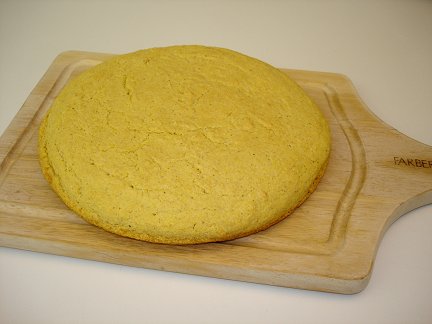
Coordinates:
(417, 163)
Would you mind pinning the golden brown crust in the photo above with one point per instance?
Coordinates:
(264, 218)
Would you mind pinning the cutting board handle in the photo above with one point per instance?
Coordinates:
(399, 168)
(389, 167)
(414, 164)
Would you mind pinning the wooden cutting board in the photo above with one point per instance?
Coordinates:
(375, 175)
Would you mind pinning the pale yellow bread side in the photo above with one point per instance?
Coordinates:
(183, 145)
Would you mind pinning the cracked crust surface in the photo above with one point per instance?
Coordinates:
(183, 145)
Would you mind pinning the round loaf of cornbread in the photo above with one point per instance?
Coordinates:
(183, 145)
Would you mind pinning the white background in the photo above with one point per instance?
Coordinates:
(384, 47)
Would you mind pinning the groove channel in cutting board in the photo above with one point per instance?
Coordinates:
(328, 244)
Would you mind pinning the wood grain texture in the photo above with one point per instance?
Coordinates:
(375, 175)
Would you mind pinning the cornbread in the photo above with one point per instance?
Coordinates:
(183, 145)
